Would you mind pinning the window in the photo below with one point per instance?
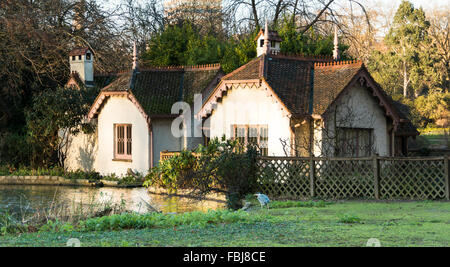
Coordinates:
(261, 43)
(122, 141)
(354, 142)
(252, 134)
(88, 56)
(79, 57)
(73, 58)
(272, 44)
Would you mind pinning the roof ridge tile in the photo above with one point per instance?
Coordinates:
(322, 58)
(340, 63)
(214, 66)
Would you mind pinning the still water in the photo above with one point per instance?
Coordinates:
(14, 198)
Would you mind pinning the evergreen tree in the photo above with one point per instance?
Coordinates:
(405, 41)
(308, 43)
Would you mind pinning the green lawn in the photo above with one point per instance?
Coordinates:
(339, 224)
(436, 138)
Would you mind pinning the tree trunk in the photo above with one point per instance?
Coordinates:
(255, 14)
(294, 13)
(277, 12)
(405, 80)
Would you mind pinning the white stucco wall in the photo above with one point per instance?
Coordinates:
(82, 152)
(120, 110)
(357, 108)
(96, 151)
(251, 106)
(163, 138)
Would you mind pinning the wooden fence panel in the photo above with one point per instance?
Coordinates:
(284, 177)
(344, 179)
(353, 178)
(403, 178)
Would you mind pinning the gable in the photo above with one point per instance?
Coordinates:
(308, 85)
(332, 81)
(155, 90)
(289, 77)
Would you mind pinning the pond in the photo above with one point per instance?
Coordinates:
(19, 198)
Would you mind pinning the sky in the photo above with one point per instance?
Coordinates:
(426, 4)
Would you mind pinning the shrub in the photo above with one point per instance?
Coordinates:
(54, 116)
(15, 149)
(9, 225)
(348, 218)
(166, 174)
(221, 166)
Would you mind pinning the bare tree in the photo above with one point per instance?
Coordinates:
(142, 20)
(305, 14)
(36, 37)
(342, 131)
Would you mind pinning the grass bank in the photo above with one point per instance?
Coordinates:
(339, 224)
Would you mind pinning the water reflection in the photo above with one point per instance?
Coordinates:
(19, 197)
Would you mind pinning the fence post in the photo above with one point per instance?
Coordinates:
(376, 176)
(312, 179)
(447, 178)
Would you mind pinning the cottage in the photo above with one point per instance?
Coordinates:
(287, 105)
(133, 113)
(306, 106)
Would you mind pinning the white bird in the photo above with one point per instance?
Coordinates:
(263, 199)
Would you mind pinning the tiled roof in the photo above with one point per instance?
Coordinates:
(100, 80)
(76, 78)
(273, 36)
(79, 51)
(288, 77)
(405, 126)
(157, 89)
(249, 71)
(103, 80)
(291, 81)
(308, 85)
(329, 81)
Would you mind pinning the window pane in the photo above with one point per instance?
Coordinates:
(365, 143)
(354, 142)
(264, 139)
(253, 135)
(120, 140)
(129, 140)
(240, 134)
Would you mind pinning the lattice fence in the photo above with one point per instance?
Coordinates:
(354, 178)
